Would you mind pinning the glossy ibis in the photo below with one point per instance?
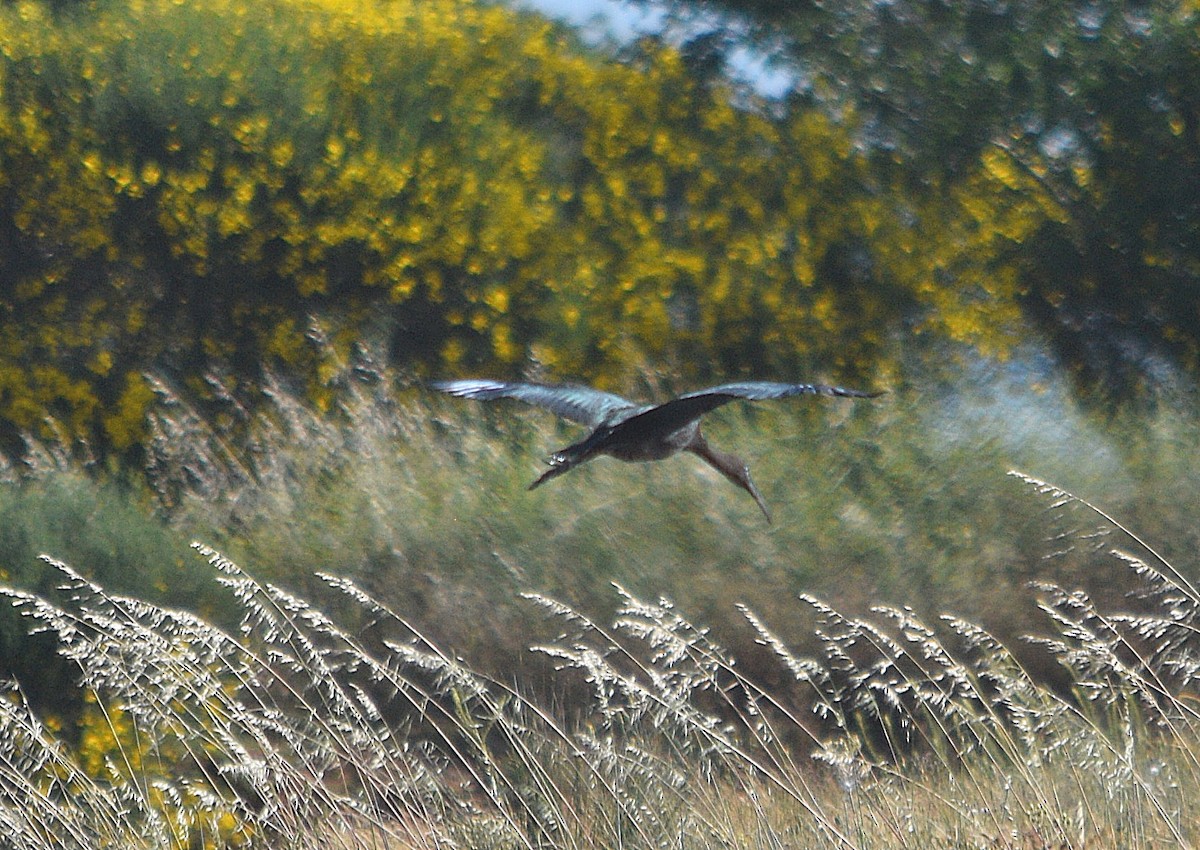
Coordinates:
(640, 432)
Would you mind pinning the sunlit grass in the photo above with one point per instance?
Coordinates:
(423, 499)
(298, 731)
(393, 701)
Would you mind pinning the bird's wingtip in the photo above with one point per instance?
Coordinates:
(849, 393)
(467, 387)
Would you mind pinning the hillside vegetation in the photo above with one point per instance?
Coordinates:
(300, 730)
(238, 237)
(185, 185)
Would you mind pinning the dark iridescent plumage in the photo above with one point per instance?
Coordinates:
(641, 432)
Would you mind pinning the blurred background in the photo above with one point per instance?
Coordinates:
(237, 235)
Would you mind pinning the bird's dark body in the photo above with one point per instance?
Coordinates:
(654, 447)
(633, 432)
(631, 443)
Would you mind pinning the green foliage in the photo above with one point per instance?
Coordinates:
(422, 499)
(296, 731)
(103, 526)
(356, 717)
(1095, 106)
(184, 187)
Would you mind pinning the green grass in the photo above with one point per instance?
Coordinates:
(900, 500)
(381, 691)
(298, 731)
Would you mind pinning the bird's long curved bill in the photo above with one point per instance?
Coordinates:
(555, 470)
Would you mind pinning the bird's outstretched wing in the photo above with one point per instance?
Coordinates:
(691, 406)
(761, 390)
(579, 404)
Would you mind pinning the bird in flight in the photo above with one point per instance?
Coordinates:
(640, 432)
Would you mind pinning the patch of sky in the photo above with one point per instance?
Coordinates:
(1025, 407)
(615, 21)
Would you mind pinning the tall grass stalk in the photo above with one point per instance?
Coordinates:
(422, 500)
(298, 730)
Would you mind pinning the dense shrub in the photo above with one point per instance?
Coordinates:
(182, 186)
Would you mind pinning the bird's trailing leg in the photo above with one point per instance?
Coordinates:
(748, 483)
(741, 477)
(731, 466)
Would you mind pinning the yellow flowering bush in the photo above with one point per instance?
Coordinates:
(111, 749)
(184, 185)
